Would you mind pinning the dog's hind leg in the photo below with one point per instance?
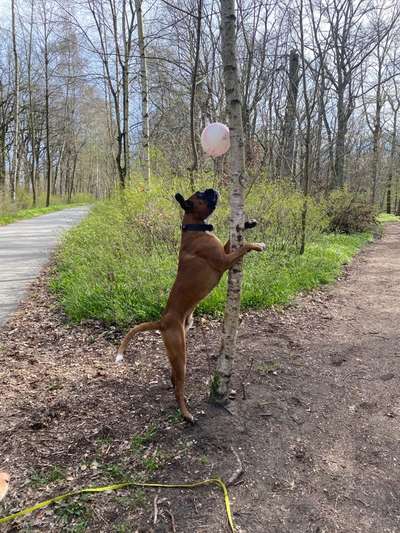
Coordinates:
(189, 322)
(175, 344)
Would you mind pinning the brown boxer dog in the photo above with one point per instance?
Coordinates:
(202, 261)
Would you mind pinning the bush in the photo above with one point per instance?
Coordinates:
(349, 212)
(119, 264)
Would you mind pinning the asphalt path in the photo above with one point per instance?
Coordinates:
(25, 247)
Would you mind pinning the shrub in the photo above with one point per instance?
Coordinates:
(349, 212)
(119, 264)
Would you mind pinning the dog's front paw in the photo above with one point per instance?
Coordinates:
(260, 246)
(249, 224)
(119, 359)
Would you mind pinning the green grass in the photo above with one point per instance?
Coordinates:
(386, 217)
(41, 478)
(114, 471)
(119, 264)
(140, 441)
(74, 515)
(34, 212)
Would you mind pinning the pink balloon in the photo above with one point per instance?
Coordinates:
(215, 139)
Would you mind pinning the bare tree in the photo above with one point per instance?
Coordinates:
(115, 33)
(221, 380)
(7, 99)
(289, 125)
(379, 59)
(145, 141)
(394, 102)
(345, 26)
(310, 85)
(15, 160)
(45, 14)
(195, 164)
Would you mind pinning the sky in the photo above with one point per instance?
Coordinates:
(4, 10)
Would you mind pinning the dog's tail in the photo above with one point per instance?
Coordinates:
(146, 326)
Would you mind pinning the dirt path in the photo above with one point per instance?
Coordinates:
(318, 433)
(25, 247)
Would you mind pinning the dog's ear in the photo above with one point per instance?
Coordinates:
(180, 199)
(187, 205)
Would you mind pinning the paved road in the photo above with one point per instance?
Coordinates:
(25, 247)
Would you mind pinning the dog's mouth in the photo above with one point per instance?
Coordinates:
(210, 197)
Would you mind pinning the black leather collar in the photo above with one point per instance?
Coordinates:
(197, 227)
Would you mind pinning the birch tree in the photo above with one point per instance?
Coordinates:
(195, 164)
(221, 380)
(15, 160)
(144, 87)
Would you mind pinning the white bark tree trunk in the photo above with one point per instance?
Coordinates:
(221, 380)
(145, 148)
(15, 163)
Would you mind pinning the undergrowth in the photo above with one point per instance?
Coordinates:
(119, 264)
(387, 217)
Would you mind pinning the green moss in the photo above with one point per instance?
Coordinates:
(215, 396)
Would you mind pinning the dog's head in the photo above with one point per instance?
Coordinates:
(201, 204)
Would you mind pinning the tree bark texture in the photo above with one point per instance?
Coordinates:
(289, 126)
(47, 106)
(15, 165)
(144, 85)
(3, 131)
(195, 163)
(221, 380)
(376, 141)
(391, 163)
(125, 89)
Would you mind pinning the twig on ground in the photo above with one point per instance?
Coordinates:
(172, 520)
(238, 472)
(155, 510)
(244, 394)
(195, 506)
(245, 376)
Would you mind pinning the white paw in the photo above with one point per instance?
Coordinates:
(119, 359)
(261, 245)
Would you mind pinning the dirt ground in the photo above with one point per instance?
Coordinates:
(315, 419)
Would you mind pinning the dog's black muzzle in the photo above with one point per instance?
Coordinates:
(210, 197)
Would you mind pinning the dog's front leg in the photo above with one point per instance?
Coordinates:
(226, 261)
(249, 224)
